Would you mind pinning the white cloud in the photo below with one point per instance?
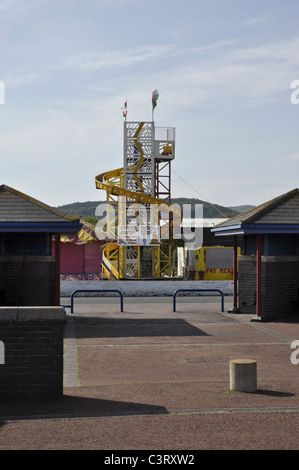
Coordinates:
(20, 4)
(19, 79)
(256, 20)
(4, 4)
(63, 120)
(294, 157)
(214, 73)
(111, 4)
(234, 76)
(118, 58)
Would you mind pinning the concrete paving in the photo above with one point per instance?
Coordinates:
(150, 378)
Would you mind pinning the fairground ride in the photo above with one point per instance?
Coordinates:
(139, 214)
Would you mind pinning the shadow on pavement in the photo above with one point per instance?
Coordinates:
(274, 393)
(119, 327)
(72, 406)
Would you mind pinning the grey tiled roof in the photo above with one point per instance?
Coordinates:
(281, 210)
(18, 207)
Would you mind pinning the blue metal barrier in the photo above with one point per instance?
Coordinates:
(198, 290)
(98, 290)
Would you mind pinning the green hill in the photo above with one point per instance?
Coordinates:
(241, 209)
(81, 209)
(209, 210)
(88, 208)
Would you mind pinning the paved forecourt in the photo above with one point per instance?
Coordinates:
(151, 378)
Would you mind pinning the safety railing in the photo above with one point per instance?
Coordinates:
(97, 291)
(122, 299)
(197, 290)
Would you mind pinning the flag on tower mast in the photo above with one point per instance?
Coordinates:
(125, 110)
(155, 96)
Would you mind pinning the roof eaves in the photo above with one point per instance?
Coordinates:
(44, 206)
(268, 206)
(255, 213)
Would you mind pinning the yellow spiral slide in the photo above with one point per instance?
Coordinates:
(112, 254)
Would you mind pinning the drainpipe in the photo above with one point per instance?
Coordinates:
(57, 269)
(235, 274)
(259, 275)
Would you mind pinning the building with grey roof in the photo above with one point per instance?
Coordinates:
(269, 265)
(29, 272)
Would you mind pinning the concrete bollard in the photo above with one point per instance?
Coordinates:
(243, 375)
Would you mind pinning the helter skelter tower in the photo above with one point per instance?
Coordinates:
(138, 199)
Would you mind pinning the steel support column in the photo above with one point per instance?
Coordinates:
(57, 269)
(259, 275)
(235, 273)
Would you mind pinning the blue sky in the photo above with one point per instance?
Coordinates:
(223, 70)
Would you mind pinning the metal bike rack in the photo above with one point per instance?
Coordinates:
(197, 290)
(97, 290)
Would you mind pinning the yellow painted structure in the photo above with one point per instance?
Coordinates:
(211, 273)
(138, 182)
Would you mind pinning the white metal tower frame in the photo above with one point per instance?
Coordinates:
(142, 149)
